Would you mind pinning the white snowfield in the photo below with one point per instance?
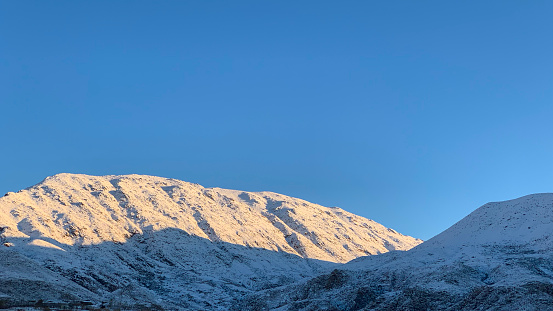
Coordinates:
(143, 239)
(500, 257)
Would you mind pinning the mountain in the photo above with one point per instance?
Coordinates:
(500, 257)
(133, 239)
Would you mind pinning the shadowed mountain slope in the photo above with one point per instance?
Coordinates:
(500, 257)
(167, 268)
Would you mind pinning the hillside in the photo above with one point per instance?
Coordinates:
(500, 257)
(146, 239)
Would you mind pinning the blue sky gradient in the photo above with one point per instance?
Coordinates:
(409, 113)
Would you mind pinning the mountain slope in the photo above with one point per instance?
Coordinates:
(88, 209)
(144, 239)
(500, 257)
(524, 221)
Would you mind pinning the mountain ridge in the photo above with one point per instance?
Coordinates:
(118, 238)
(278, 222)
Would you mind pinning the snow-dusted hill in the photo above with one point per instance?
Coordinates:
(523, 221)
(500, 257)
(132, 238)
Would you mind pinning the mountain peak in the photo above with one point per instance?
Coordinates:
(520, 221)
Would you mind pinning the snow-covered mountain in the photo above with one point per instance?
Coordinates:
(157, 241)
(500, 257)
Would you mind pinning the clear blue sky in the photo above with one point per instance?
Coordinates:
(411, 113)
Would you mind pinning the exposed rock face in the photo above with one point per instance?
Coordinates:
(500, 257)
(147, 239)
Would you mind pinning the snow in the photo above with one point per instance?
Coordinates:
(80, 209)
(503, 250)
(145, 239)
(526, 220)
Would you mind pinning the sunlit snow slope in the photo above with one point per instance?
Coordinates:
(88, 209)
